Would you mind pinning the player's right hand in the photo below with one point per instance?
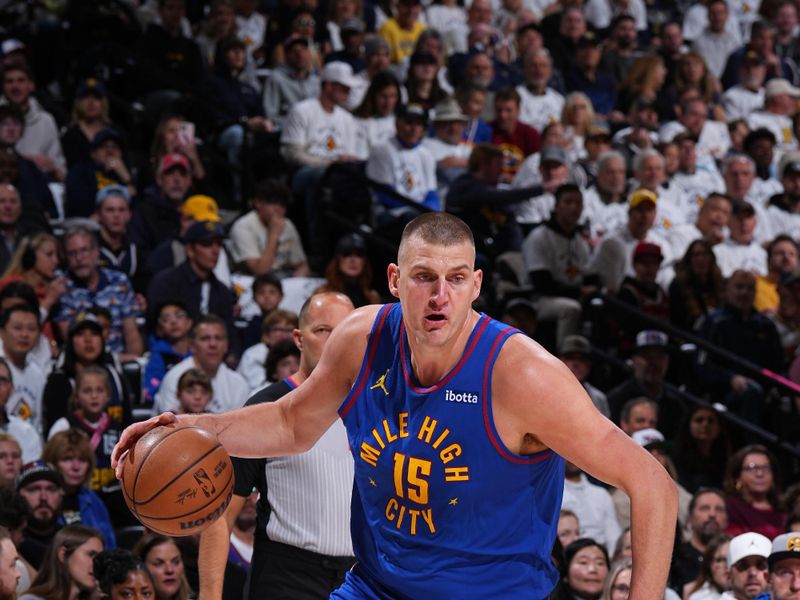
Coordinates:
(132, 433)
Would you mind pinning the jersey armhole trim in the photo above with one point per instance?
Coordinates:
(488, 420)
(372, 348)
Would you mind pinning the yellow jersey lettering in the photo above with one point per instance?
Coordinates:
(450, 453)
(402, 423)
(414, 514)
(456, 474)
(426, 431)
(391, 509)
(441, 438)
(427, 516)
(417, 486)
(378, 439)
(399, 462)
(390, 437)
(369, 454)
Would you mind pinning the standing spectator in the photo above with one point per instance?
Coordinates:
(539, 103)
(402, 30)
(716, 43)
(516, 139)
(752, 482)
(40, 140)
(19, 331)
(264, 240)
(89, 117)
(208, 345)
(291, 82)
(88, 285)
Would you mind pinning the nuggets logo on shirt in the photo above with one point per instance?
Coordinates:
(409, 506)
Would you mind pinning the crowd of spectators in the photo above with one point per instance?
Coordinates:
(178, 176)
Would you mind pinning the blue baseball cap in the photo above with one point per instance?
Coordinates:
(111, 190)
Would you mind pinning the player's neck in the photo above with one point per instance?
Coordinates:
(431, 363)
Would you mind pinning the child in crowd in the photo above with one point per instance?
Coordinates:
(169, 346)
(267, 294)
(283, 361)
(279, 325)
(194, 392)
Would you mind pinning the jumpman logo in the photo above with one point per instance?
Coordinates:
(381, 383)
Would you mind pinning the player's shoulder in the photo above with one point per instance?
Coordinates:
(526, 361)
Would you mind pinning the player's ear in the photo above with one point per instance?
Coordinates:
(298, 339)
(393, 274)
(477, 281)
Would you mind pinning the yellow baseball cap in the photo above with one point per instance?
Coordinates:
(201, 208)
(642, 195)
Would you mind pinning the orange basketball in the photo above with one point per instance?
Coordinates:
(177, 479)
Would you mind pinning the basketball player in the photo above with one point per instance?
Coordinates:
(457, 427)
(302, 544)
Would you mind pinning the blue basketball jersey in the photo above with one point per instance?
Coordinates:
(441, 508)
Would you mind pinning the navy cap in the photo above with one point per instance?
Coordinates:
(36, 470)
(412, 111)
(91, 87)
(85, 321)
(203, 231)
(351, 242)
(104, 135)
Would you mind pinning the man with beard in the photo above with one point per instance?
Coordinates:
(708, 516)
(747, 557)
(42, 488)
(243, 533)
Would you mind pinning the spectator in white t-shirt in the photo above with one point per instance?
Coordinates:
(447, 147)
(747, 96)
(19, 329)
(780, 98)
(741, 251)
(539, 104)
(716, 43)
(21, 432)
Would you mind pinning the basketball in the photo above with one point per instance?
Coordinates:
(177, 479)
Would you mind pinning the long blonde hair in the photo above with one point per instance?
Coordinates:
(640, 80)
(28, 244)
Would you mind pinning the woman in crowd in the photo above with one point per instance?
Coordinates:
(623, 549)
(84, 346)
(618, 582)
(569, 528)
(165, 563)
(644, 82)
(71, 454)
(714, 577)
(692, 72)
(121, 575)
(23, 431)
(752, 486)
(350, 273)
(701, 449)
(576, 116)
(375, 115)
(171, 137)
(89, 117)
(583, 572)
(422, 84)
(67, 569)
(10, 459)
(698, 286)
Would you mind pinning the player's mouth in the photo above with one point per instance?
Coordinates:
(435, 319)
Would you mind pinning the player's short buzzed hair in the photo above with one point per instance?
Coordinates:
(439, 228)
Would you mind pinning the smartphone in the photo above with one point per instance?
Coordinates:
(185, 133)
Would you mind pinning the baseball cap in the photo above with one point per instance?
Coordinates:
(36, 470)
(553, 154)
(171, 161)
(789, 163)
(352, 24)
(11, 45)
(752, 57)
(786, 545)
(409, 112)
(776, 87)
(748, 544)
(85, 321)
(651, 338)
(91, 87)
(350, 242)
(339, 72)
(647, 249)
(104, 135)
(649, 438)
(293, 39)
(743, 207)
(575, 344)
(201, 208)
(203, 231)
(642, 195)
(111, 190)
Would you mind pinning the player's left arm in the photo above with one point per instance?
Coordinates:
(534, 394)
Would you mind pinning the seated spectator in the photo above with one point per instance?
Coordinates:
(89, 284)
(278, 325)
(120, 574)
(517, 139)
(375, 114)
(19, 331)
(11, 457)
(695, 182)
(643, 83)
(650, 360)
(713, 139)
(741, 250)
(762, 42)
(350, 272)
(716, 43)
(710, 225)
(698, 286)
(605, 201)
(576, 352)
(782, 262)
(577, 117)
(783, 208)
(783, 566)
(106, 167)
(701, 449)
(747, 96)
(40, 140)
(84, 347)
(744, 331)
(264, 240)
(747, 560)
(584, 570)
(708, 519)
(405, 166)
(290, 82)
(642, 291)
(787, 317)
(164, 562)
(219, 23)
(421, 84)
(42, 488)
(556, 259)
(638, 414)
(472, 100)
(168, 346)
(267, 293)
(446, 146)
(71, 454)
(194, 392)
(350, 47)
(113, 213)
(597, 142)
(209, 346)
(402, 30)
(539, 103)
(13, 226)
(194, 281)
(89, 117)
(283, 361)
(714, 578)
(23, 175)
(553, 170)
(21, 432)
(759, 145)
(588, 77)
(569, 529)
(592, 505)
(779, 108)
(173, 135)
(752, 483)
(376, 55)
(563, 46)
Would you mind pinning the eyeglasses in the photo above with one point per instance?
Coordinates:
(306, 23)
(169, 317)
(754, 468)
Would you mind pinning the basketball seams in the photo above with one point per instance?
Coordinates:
(144, 460)
(229, 482)
(174, 479)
